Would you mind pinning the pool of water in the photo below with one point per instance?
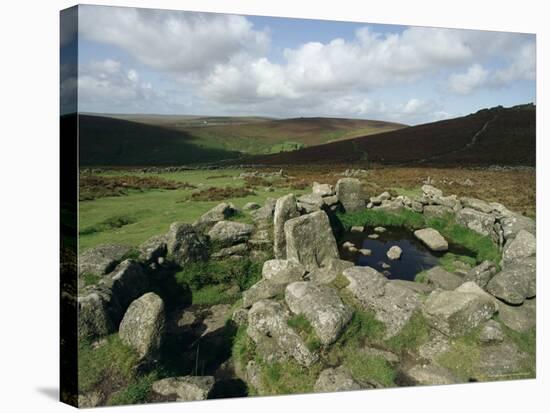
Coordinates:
(414, 259)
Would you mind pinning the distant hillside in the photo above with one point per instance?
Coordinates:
(503, 136)
(105, 141)
(158, 139)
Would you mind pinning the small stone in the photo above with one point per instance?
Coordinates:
(491, 332)
(432, 239)
(385, 265)
(394, 253)
(365, 251)
(380, 229)
(357, 229)
(374, 236)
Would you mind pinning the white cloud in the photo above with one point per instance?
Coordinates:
(179, 42)
(107, 82)
(465, 83)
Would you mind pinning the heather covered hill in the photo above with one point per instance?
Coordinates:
(503, 136)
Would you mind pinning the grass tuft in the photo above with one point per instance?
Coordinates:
(303, 327)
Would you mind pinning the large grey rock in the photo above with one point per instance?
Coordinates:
(229, 233)
(437, 344)
(321, 306)
(275, 340)
(482, 273)
(219, 213)
(260, 291)
(432, 239)
(450, 202)
(440, 278)
(323, 190)
(350, 194)
(414, 286)
(519, 318)
(477, 221)
(98, 312)
(143, 325)
(285, 209)
(430, 375)
(101, 259)
(185, 244)
(185, 388)
(522, 246)
(335, 379)
(393, 304)
(128, 281)
(455, 313)
(516, 282)
(513, 223)
(309, 240)
(328, 272)
(282, 271)
(153, 249)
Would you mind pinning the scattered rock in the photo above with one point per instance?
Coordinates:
(477, 204)
(220, 212)
(385, 265)
(380, 229)
(143, 325)
(185, 244)
(335, 379)
(365, 251)
(491, 332)
(515, 282)
(432, 239)
(322, 307)
(482, 273)
(439, 278)
(430, 191)
(185, 388)
(437, 211)
(392, 303)
(522, 246)
(350, 194)
(323, 190)
(230, 233)
(263, 217)
(312, 199)
(456, 313)
(239, 249)
(283, 271)
(394, 253)
(275, 340)
(261, 290)
(101, 259)
(348, 245)
(309, 240)
(437, 344)
(415, 286)
(285, 209)
(373, 236)
(357, 229)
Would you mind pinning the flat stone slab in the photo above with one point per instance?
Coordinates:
(432, 239)
(335, 379)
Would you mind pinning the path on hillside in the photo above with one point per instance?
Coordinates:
(473, 141)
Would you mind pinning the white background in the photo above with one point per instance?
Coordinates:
(29, 204)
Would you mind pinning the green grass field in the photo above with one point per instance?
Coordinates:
(133, 218)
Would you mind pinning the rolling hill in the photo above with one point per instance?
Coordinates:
(163, 140)
(497, 136)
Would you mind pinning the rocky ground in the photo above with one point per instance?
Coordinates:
(311, 321)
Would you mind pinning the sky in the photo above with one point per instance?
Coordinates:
(172, 62)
